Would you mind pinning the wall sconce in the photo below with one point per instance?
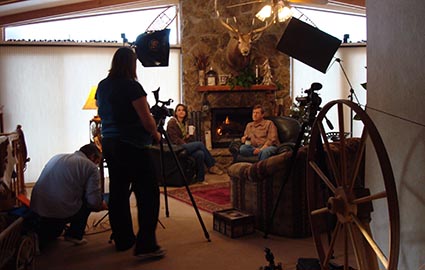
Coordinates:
(95, 123)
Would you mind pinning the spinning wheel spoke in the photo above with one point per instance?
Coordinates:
(346, 254)
(335, 234)
(356, 246)
(376, 196)
(322, 175)
(358, 159)
(371, 242)
(343, 160)
(330, 157)
(319, 211)
(352, 198)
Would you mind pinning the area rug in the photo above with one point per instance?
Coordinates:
(210, 198)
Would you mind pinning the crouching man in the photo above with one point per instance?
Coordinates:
(67, 191)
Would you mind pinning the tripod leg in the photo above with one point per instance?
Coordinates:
(100, 220)
(161, 158)
(162, 131)
(285, 179)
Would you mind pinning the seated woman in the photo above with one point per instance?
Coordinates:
(177, 131)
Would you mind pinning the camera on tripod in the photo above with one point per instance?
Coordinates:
(311, 102)
(160, 112)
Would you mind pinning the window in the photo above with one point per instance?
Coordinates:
(44, 88)
(336, 84)
(99, 28)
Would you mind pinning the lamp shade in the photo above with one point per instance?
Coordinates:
(91, 101)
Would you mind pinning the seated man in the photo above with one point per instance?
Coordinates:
(260, 136)
(67, 190)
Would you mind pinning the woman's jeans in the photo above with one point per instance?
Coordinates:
(202, 156)
(131, 169)
(247, 151)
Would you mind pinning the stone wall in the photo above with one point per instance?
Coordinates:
(203, 33)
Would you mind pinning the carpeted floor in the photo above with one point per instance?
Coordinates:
(211, 197)
(186, 244)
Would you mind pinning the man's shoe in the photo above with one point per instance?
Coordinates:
(77, 242)
(215, 170)
(159, 253)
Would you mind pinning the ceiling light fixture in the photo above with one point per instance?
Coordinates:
(280, 9)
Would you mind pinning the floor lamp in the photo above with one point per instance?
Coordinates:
(95, 128)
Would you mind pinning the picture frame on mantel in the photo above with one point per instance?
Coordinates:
(223, 78)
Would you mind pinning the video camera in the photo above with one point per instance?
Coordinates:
(311, 102)
(160, 112)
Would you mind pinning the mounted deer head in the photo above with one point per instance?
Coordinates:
(239, 46)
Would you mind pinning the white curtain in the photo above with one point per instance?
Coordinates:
(43, 88)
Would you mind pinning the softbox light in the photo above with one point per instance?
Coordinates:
(153, 48)
(308, 44)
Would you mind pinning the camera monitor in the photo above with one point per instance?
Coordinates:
(308, 44)
(153, 48)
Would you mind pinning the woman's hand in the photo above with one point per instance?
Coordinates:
(156, 137)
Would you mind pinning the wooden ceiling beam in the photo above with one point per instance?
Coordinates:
(360, 3)
(47, 13)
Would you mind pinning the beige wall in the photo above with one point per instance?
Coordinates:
(396, 82)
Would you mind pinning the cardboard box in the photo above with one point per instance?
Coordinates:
(233, 223)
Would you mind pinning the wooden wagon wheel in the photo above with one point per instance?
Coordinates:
(26, 254)
(350, 197)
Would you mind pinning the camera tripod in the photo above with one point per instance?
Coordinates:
(161, 157)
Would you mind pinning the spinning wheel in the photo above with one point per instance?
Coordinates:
(26, 254)
(351, 197)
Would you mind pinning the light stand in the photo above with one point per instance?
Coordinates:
(352, 94)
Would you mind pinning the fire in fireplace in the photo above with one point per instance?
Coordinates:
(228, 124)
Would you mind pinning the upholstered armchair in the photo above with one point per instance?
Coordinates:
(287, 129)
(172, 174)
(255, 188)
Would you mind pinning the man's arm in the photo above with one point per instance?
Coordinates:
(272, 137)
(246, 133)
(93, 194)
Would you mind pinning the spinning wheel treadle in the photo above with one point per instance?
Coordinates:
(351, 198)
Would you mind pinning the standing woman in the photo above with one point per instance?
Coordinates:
(128, 130)
(177, 131)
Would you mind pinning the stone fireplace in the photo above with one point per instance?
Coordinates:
(228, 124)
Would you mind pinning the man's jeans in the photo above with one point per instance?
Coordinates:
(247, 150)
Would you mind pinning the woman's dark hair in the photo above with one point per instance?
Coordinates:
(124, 64)
(184, 108)
(90, 150)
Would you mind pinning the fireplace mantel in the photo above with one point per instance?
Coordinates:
(223, 88)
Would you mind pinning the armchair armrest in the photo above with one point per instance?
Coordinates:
(234, 147)
(284, 147)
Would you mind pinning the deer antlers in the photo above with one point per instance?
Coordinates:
(239, 46)
(235, 30)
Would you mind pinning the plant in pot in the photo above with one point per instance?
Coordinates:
(201, 61)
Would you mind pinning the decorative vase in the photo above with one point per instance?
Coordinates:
(201, 77)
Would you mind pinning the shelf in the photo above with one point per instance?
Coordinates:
(226, 88)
